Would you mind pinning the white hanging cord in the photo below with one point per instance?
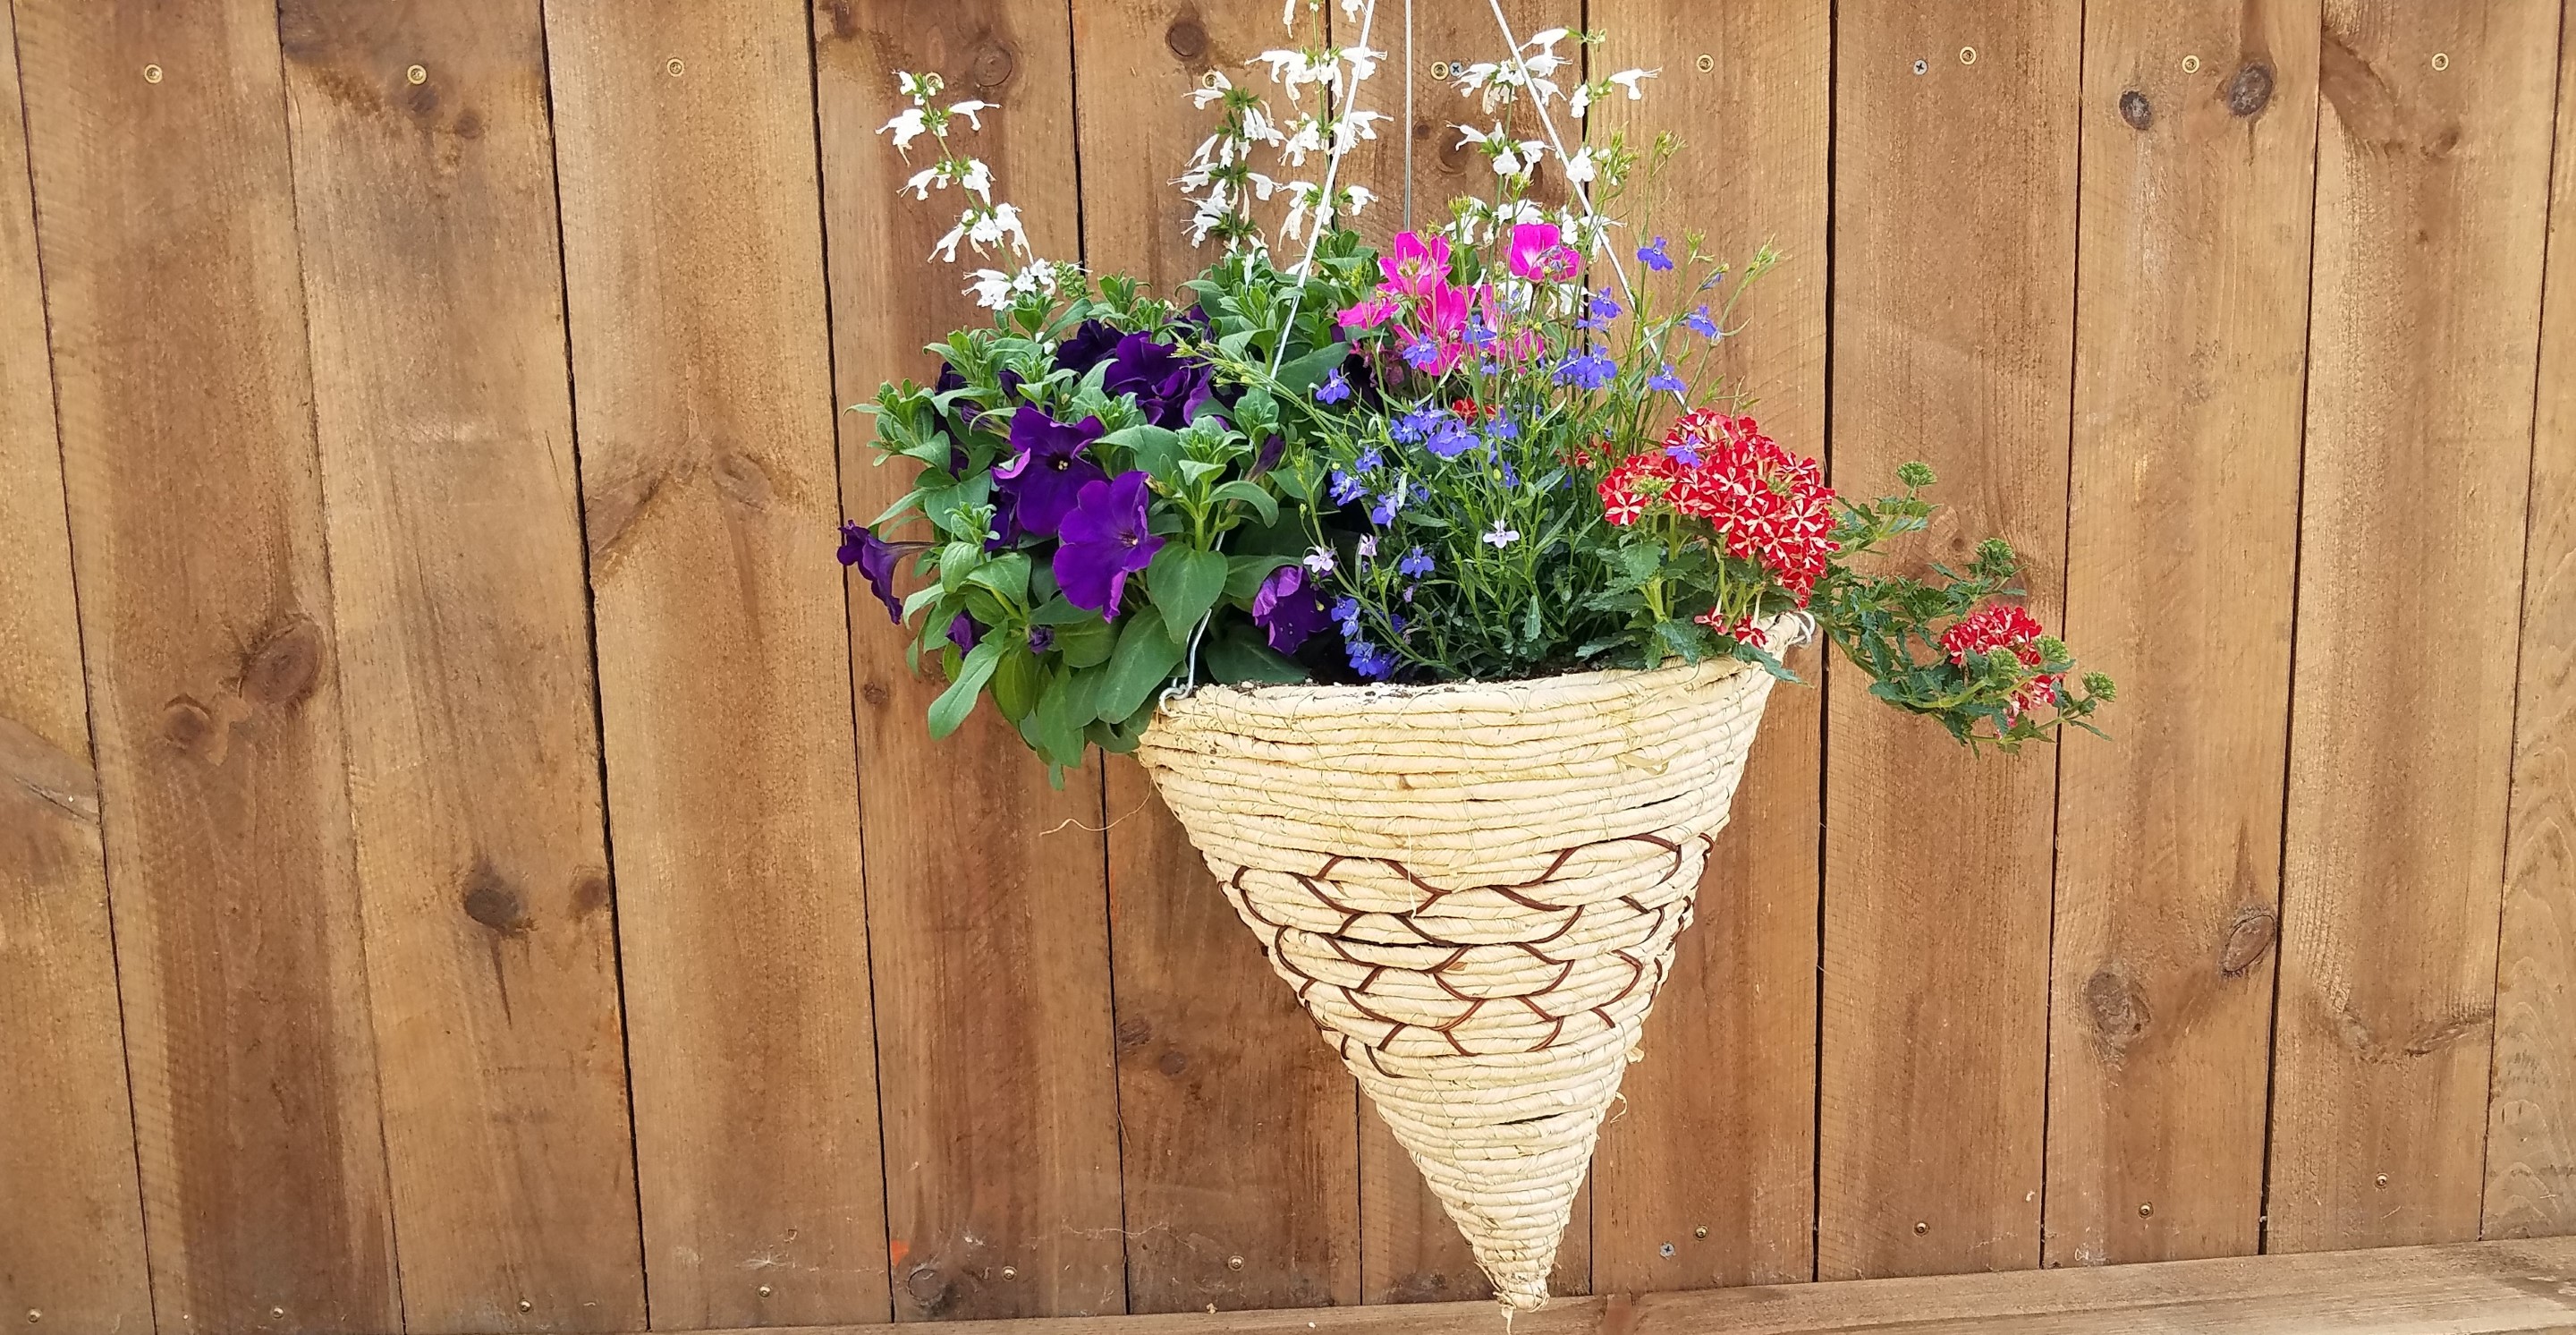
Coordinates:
(1324, 202)
(1408, 115)
(1581, 195)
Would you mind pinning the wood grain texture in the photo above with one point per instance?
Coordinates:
(167, 219)
(703, 397)
(1713, 1152)
(427, 214)
(2191, 336)
(1954, 232)
(2424, 335)
(1239, 1127)
(2531, 1129)
(1409, 1250)
(985, 886)
(2487, 1288)
(71, 1235)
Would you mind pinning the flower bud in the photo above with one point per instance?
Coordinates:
(1915, 474)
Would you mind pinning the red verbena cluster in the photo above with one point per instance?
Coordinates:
(2005, 626)
(1770, 506)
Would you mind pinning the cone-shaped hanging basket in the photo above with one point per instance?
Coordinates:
(1474, 889)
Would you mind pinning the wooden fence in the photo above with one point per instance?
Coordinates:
(468, 863)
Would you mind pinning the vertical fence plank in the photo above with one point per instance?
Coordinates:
(2531, 1136)
(1240, 1125)
(166, 216)
(2190, 340)
(1714, 1151)
(1954, 227)
(1409, 1250)
(984, 885)
(702, 394)
(427, 216)
(73, 1227)
(2431, 186)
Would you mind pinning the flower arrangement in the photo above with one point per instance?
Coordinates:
(1496, 449)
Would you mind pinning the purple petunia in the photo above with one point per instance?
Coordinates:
(1103, 541)
(875, 558)
(963, 632)
(1041, 639)
(1040, 482)
(1090, 346)
(1168, 385)
(1288, 608)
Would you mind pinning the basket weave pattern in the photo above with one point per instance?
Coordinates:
(1474, 890)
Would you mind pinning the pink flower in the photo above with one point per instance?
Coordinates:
(1444, 312)
(1413, 266)
(1368, 312)
(1539, 252)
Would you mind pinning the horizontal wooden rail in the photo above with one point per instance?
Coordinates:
(2475, 1288)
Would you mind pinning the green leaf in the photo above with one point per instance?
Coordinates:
(1016, 682)
(1194, 471)
(953, 704)
(1007, 575)
(1239, 655)
(1640, 561)
(1085, 643)
(1184, 583)
(1252, 494)
(1155, 449)
(1143, 661)
(1303, 374)
(1243, 574)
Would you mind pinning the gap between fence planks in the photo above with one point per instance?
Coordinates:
(434, 296)
(989, 942)
(1706, 1171)
(701, 371)
(2191, 334)
(1953, 330)
(2491, 1288)
(72, 1229)
(2423, 338)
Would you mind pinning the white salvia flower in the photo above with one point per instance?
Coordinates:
(1363, 63)
(919, 87)
(968, 109)
(1351, 9)
(1302, 195)
(1581, 102)
(1215, 86)
(1501, 536)
(1629, 79)
(1356, 198)
(945, 249)
(991, 288)
(907, 125)
(1580, 168)
(978, 178)
(1259, 128)
(1308, 138)
(1353, 127)
(920, 183)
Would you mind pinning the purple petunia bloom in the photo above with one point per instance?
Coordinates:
(1654, 258)
(963, 632)
(1041, 481)
(1009, 382)
(1271, 452)
(1288, 608)
(1090, 346)
(1104, 540)
(1041, 639)
(875, 558)
(1168, 385)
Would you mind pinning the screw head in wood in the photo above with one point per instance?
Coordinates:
(526, 1306)
(2147, 1211)
(764, 1290)
(2191, 64)
(1234, 1263)
(2441, 60)
(673, 67)
(2383, 1181)
(277, 1313)
(1922, 67)
(1706, 62)
(1967, 55)
(1440, 69)
(1921, 1228)
(417, 74)
(1700, 1232)
(34, 1315)
(152, 74)
(1010, 1272)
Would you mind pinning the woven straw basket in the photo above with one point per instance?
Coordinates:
(1475, 890)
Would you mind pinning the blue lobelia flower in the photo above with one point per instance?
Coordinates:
(1369, 460)
(1681, 453)
(1415, 565)
(1654, 258)
(1603, 308)
(1104, 540)
(1336, 387)
(1665, 381)
(1370, 661)
(1590, 370)
(1450, 439)
(1411, 428)
(1702, 323)
(1346, 614)
(1346, 488)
